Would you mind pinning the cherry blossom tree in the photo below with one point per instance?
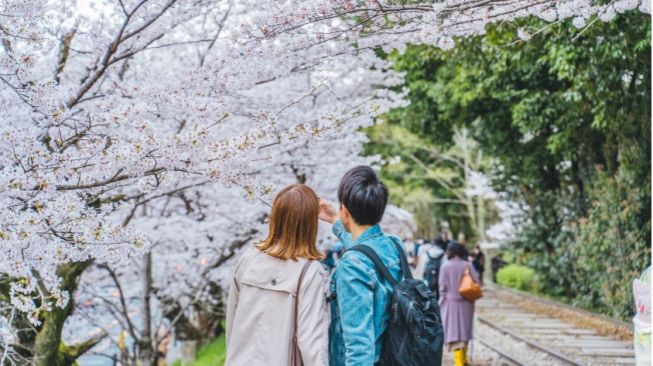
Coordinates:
(98, 117)
(124, 119)
(113, 112)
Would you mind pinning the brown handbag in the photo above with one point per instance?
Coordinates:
(295, 356)
(469, 289)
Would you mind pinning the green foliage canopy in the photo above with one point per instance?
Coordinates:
(566, 117)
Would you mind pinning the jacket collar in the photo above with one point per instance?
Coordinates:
(371, 232)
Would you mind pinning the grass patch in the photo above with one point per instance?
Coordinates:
(210, 354)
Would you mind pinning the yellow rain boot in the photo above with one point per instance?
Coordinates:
(459, 357)
(465, 356)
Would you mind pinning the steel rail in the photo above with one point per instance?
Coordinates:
(531, 343)
(502, 353)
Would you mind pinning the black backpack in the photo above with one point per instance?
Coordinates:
(414, 336)
(432, 273)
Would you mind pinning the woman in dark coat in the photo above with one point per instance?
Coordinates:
(457, 313)
(478, 261)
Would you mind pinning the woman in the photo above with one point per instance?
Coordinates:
(261, 305)
(478, 261)
(457, 313)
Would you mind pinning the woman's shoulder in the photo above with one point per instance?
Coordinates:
(447, 264)
(456, 263)
(260, 269)
(249, 252)
(244, 258)
(317, 268)
(313, 268)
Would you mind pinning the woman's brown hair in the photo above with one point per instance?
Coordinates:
(293, 224)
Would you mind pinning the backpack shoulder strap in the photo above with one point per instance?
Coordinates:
(405, 269)
(380, 267)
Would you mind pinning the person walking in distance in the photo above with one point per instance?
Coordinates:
(432, 260)
(276, 309)
(443, 239)
(478, 261)
(457, 312)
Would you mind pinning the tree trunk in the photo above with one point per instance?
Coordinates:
(481, 217)
(469, 201)
(147, 354)
(46, 345)
(48, 348)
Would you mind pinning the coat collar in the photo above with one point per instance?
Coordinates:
(371, 232)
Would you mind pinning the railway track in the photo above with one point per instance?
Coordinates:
(501, 352)
(537, 347)
(507, 332)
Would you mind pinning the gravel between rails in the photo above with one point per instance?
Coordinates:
(520, 351)
(548, 326)
(580, 318)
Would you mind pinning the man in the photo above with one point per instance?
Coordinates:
(410, 247)
(443, 239)
(358, 295)
(418, 268)
(430, 260)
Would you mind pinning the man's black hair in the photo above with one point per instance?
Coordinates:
(364, 195)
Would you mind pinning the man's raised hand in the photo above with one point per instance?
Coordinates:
(327, 212)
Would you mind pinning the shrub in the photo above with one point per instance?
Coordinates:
(518, 277)
(612, 246)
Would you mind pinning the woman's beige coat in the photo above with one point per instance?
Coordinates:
(260, 312)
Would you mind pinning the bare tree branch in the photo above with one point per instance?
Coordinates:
(123, 304)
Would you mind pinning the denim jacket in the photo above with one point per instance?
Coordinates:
(359, 300)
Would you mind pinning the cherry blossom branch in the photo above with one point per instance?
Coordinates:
(149, 21)
(64, 52)
(125, 312)
(115, 178)
(120, 37)
(196, 292)
(112, 308)
(169, 193)
(220, 26)
(592, 22)
(20, 95)
(5, 348)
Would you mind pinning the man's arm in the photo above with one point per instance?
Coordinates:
(339, 231)
(329, 214)
(354, 287)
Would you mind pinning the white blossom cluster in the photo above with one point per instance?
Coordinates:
(108, 108)
(372, 23)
